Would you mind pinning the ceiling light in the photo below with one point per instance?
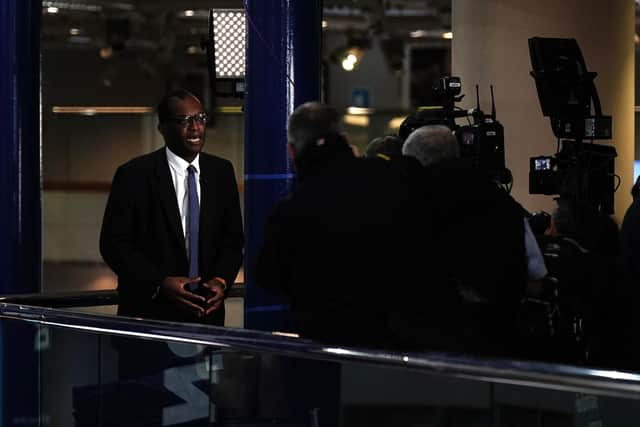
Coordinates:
(353, 120)
(189, 12)
(448, 35)
(92, 111)
(106, 52)
(325, 24)
(351, 59)
(418, 34)
(74, 31)
(192, 50)
(81, 7)
(360, 111)
(347, 66)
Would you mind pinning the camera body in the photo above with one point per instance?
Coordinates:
(566, 90)
(481, 142)
(446, 90)
(580, 171)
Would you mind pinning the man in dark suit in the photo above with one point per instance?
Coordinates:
(148, 236)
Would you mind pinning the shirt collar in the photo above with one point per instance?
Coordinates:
(179, 164)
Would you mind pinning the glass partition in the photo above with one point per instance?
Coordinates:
(74, 369)
(130, 52)
(105, 66)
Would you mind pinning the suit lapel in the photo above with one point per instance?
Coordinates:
(207, 195)
(167, 194)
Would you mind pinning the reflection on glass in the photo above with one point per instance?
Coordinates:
(97, 379)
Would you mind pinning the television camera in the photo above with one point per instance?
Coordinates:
(481, 140)
(580, 169)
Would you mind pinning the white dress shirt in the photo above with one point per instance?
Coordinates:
(179, 175)
(536, 267)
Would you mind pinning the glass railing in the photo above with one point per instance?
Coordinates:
(65, 368)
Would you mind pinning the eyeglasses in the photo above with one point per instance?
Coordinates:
(183, 121)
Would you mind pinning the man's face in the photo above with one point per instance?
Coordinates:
(184, 130)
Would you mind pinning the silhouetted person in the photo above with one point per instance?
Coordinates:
(622, 319)
(341, 246)
(384, 147)
(580, 248)
(539, 221)
(479, 229)
(630, 237)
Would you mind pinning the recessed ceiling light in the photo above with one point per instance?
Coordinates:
(189, 12)
(74, 31)
(106, 52)
(448, 35)
(52, 9)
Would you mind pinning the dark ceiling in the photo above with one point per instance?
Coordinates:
(161, 24)
(157, 37)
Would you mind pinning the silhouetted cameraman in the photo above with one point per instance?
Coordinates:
(479, 229)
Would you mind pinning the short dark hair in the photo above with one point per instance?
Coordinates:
(388, 145)
(163, 109)
(311, 121)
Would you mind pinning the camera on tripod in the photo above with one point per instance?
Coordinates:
(579, 170)
(481, 141)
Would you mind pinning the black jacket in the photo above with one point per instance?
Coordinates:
(142, 238)
(479, 232)
(341, 247)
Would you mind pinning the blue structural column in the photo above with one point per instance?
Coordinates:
(20, 195)
(283, 71)
(20, 203)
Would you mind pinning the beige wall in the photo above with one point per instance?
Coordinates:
(490, 47)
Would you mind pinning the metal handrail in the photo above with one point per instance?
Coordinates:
(536, 374)
(65, 299)
(84, 298)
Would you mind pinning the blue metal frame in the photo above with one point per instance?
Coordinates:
(283, 71)
(20, 170)
(20, 199)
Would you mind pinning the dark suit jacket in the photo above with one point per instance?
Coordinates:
(339, 247)
(142, 238)
(480, 231)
